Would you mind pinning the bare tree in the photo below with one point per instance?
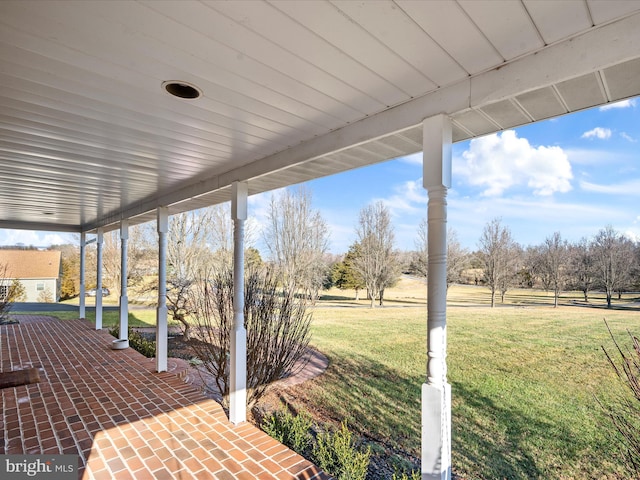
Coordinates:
(297, 238)
(420, 264)
(635, 274)
(377, 263)
(536, 271)
(499, 253)
(111, 261)
(219, 234)
(582, 267)
(510, 277)
(187, 258)
(630, 273)
(139, 248)
(198, 241)
(390, 276)
(555, 260)
(457, 256)
(613, 259)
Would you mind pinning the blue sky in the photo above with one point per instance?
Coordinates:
(574, 174)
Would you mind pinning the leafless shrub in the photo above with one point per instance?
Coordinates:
(277, 329)
(626, 411)
(5, 300)
(10, 291)
(179, 303)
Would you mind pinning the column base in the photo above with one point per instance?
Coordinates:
(161, 339)
(238, 377)
(436, 432)
(98, 312)
(124, 317)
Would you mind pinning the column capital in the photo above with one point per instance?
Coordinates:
(436, 151)
(239, 195)
(124, 229)
(163, 219)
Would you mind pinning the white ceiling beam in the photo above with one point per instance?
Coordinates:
(616, 42)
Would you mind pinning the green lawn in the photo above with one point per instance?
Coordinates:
(137, 318)
(524, 382)
(524, 377)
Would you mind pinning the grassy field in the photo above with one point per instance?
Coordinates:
(524, 379)
(137, 318)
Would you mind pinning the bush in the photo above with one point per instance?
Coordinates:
(291, 430)
(17, 292)
(277, 329)
(625, 413)
(14, 292)
(336, 453)
(137, 342)
(415, 475)
(45, 296)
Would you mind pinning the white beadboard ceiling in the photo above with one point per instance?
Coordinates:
(292, 90)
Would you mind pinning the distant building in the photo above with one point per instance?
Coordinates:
(39, 272)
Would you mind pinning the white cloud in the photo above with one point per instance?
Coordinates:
(540, 210)
(413, 159)
(530, 220)
(34, 238)
(499, 162)
(259, 203)
(410, 198)
(598, 132)
(594, 157)
(632, 234)
(633, 231)
(622, 104)
(631, 187)
(628, 137)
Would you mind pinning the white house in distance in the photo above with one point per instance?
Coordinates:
(38, 271)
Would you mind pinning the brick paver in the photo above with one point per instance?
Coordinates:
(119, 416)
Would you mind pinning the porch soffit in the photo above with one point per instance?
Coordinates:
(292, 91)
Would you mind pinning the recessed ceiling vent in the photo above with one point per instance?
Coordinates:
(182, 89)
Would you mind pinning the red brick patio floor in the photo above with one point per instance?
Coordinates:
(120, 417)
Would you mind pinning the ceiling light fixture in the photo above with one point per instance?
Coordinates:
(181, 89)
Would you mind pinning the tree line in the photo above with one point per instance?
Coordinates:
(609, 262)
(296, 239)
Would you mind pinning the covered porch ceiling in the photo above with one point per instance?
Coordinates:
(291, 91)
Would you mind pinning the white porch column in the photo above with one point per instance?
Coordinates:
(436, 393)
(161, 314)
(82, 313)
(99, 242)
(238, 367)
(124, 300)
